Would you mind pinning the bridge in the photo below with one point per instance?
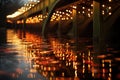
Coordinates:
(71, 17)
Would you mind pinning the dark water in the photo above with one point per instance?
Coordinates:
(27, 56)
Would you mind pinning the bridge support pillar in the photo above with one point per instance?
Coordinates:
(59, 28)
(23, 28)
(24, 24)
(99, 45)
(44, 17)
(75, 28)
(15, 25)
(98, 34)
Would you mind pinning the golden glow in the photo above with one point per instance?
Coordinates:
(103, 12)
(103, 5)
(109, 7)
(74, 7)
(110, 13)
(83, 7)
(14, 14)
(27, 6)
(110, 0)
(9, 21)
(64, 14)
(60, 50)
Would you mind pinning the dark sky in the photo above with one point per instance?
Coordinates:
(10, 6)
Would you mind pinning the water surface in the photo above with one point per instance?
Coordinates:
(27, 56)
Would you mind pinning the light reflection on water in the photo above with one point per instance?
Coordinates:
(27, 56)
(15, 61)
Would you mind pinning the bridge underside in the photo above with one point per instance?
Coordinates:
(91, 19)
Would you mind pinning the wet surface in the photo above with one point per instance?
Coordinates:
(27, 56)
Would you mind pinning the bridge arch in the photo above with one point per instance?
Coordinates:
(51, 10)
(56, 4)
